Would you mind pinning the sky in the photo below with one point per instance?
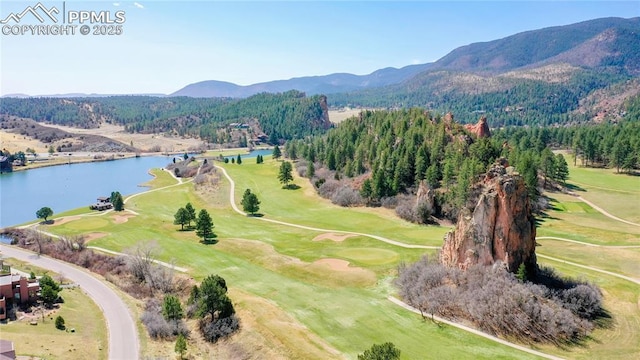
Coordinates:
(166, 45)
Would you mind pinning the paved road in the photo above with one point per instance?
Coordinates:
(123, 336)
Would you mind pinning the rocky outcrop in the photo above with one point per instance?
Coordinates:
(500, 227)
(480, 129)
(425, 195)
(326, 124)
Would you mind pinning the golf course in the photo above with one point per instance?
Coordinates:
(311, 280)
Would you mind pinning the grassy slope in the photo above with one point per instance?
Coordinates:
(89, 341)
(611, 191)
(348, 311)
(273, 263)
(575, 220)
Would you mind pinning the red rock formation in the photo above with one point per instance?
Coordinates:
(325, 112)
(500, 228)
(480, 129)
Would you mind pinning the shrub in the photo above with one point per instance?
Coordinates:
(405, 212)
(328, 188)
(346, 196)
(157, 326)
(498, 303)
(60, 323)
(220, 328)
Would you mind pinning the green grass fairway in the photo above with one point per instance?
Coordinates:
(617, 193)
(299, 303)
(370, 256)
(304, 206)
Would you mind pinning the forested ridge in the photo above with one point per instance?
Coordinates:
(281, 116)
(391, 152)
(507, 101)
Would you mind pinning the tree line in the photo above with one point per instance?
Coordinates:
(281, 116)
(397, 150)
(394, 151)
(512, 102)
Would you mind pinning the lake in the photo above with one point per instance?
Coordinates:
(252, 154)
(66, 187)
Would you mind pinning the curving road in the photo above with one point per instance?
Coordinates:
(123, 335)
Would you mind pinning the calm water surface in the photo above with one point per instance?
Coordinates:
(66, 187)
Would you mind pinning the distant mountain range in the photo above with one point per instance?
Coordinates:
(613, 42)
(327, 84)
(593, 54)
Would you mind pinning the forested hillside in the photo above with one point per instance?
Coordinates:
(281, 116)
(389, 153)
(510, 99)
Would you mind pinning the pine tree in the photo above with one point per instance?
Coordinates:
(116, 201)
(285, 175)
(239, 160)
(191, 212)
(250, 202)
(181, 218)
(311, 170)
(204, 225)
(181, 345)
(562, 169)
(276, 152)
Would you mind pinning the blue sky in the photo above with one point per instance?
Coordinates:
(166, 45)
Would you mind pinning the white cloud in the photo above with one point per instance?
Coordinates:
(416, 61)
(116, 4)
(138, 5)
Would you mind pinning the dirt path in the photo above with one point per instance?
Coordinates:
(165, 264)
(232, 201)
(474, 331)
(635, 281)
(605, 213)
(588, 244)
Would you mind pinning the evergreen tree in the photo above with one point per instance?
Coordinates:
(204, 225)
(366, 191)
(60, 323)
(285, 174)
(311, 170)
(171, 308)
(548, 164)
(276, 152)
(117, 201)
(239, 160)
(386, 351)
(191, 212)
(562, 169)
(181, 218)
(250, 202)
(181, 345)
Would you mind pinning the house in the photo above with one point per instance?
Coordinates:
(16, 289)
(7, 351)
(103, 203)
